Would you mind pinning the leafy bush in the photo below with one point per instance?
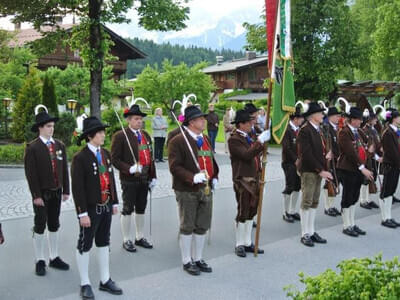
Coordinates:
(64, 128)
(363, 278)
(12, 154)
(23, 111)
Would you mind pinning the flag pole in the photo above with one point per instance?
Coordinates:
(265, 151)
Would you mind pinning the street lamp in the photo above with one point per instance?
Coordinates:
(71, 104)
(6, 105)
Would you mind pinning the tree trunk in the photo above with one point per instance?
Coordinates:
(96, 64)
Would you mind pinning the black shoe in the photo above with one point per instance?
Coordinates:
(288, 218)
(330, 212)
(41, 268)
(317, 239)
(240, 251)
(110, 287)
(251, 249)
(395, 199)
(372, 204)
(59, 264)
(350, 232)
(296, 216)
(143, 243)
(254, 224)
(338, 213)
(86, 292)
(161, 160)
(365, 205)
(394, 222)
(307, 241)
(191, 268)
(203, 266)
(359, 230)
(128, 246)
(388, 223)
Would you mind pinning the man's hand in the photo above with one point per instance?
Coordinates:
(214, 183)
(84, 221)
(135, 168)
(265, 136)
(115, 209)
(329, 155)
(38, 202)
(152, 183)
(65, 197)
(380, 160)
(199, 178)
(368, 174)
(326, 175)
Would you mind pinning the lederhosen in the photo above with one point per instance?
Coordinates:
(134, 191)
(391, 168)
(246, 187)
(100, 214)
(352, 180)
(289, 157)
(50, 160)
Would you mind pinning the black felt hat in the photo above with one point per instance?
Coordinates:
(91, 125)
(250, 108)
(192, 112)
(242, 116)
(313, 107)
(41, 119)
(134, 110)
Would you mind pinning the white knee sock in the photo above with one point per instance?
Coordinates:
(304, 221)
(82, 260)
(38, 245)
(352, 215)
(139, 221)
(199, 240)
(248, 230)
(364, 194)
(346, 217)
(294, 197)
(103, 257)
(326, 199)
(126, 227)
(240, 234)
(311, 220)
(53, 244)
(382, 206)
(185, 243)
(286, 204)
(388, 205)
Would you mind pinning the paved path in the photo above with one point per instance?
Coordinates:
(157, 273)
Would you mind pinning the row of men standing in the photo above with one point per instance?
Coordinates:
(94, 191)
(315, 149)
(195, 176)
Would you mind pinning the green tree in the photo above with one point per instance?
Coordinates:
(74, 82)
(49, 98)
(89, 36)
(324, 45)
(171, 82)
(23, 111)
(386, 48)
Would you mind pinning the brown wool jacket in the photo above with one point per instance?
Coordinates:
(310, 150)
(390, 143)
(289, 150)
(121, 155)
(348, 158)
(85, 177)
(181, 164)
(243, 156)
(39, 170)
